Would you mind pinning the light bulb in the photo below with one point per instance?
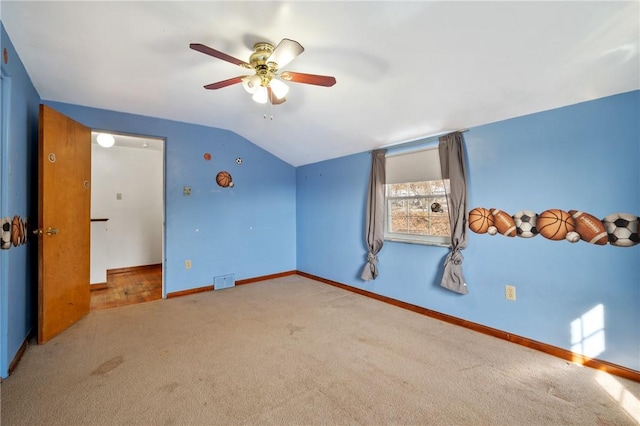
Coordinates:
(106, 140)
(279, 89)
(251, 83)
(260, 95)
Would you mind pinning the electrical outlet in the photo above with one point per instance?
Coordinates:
(187, 264)
(510, 292)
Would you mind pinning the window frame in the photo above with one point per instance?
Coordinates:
(421, 239)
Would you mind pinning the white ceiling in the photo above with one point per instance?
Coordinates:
(404, 70)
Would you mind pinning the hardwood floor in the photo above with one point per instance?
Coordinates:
(128, 286)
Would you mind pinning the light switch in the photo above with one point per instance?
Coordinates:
(119, 196)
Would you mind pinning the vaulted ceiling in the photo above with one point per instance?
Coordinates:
(404, 70)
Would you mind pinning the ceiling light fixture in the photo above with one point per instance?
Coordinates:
(279, 89)
(266, 85)
(106, 140)
(260, 95)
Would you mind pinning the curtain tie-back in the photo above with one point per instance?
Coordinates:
(370, 270)
(455, 256)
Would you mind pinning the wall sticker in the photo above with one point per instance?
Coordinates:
(617, 229)
(14, 232)
(224, 179)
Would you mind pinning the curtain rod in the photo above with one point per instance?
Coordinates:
(421, 141)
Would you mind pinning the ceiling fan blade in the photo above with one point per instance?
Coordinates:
(225, 83)
(318, 80)
(273, 99)
(217, 54)
(285, 52)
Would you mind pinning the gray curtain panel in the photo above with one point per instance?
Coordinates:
(452, 163)
(375, 214)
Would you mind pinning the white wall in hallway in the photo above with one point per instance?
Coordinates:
(127, 189)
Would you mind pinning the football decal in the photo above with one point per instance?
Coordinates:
(503, 222)
(480, 219)
(622, 229)
(590, 228)
(554, 224)
(525, 221)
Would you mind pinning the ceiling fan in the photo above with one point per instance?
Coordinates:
(265, 84)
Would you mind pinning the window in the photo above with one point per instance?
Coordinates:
(416, 199)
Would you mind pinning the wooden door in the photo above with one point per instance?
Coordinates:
(64, 220)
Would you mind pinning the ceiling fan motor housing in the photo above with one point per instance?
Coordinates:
(258, 60)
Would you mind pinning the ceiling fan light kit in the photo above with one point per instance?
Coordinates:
(266, 84)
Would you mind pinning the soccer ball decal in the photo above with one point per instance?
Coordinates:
(6, 233)
(525, 221)
(239, 160)
(622, 229)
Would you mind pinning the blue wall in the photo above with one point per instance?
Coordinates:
(247, 230)
(18, 174)
(277, 218)
(583, 157)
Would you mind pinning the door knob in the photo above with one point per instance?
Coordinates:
(48, 231)
(51, 231)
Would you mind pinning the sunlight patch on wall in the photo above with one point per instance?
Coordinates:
(620, 394)
(587, 333)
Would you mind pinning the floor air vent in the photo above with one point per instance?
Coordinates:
(224, 281)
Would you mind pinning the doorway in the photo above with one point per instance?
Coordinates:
(127, 219)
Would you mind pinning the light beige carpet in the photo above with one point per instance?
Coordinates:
(295, 351)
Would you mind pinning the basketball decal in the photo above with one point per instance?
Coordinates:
(480, 219)
(503, 222)
(207, 156)
(554, 224)
(224, 179)
(16, 237)
(590, 228)
(617, 229)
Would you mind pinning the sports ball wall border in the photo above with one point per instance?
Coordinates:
(616, 229)
(14, 232)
